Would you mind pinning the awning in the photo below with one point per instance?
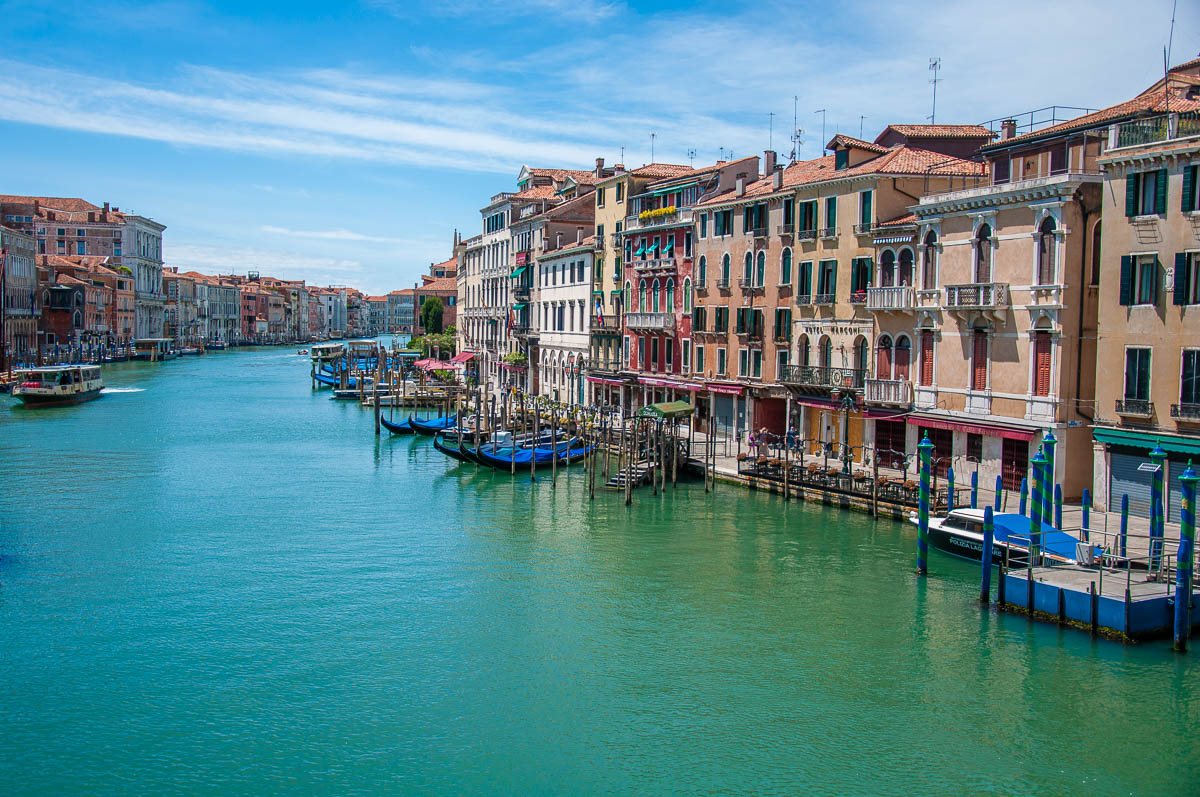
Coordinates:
(733, 390)
(1146, 440)
(1008, 432)
(667, 409)
(430, 364)
(669, 246)
(462, 357)
(650, 249)
(893, 239)
(597, 293)
(669, 383)
(601, 380)
(641, 249)
(673, 188)
(518, 271)
(520, 306)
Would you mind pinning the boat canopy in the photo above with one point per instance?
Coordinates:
(667, 409)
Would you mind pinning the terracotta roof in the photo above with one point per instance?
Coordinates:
(1151, 101)
(376, 298)
(899, 221)
(1195, 62)
(857, 143)
(661, 170)
(69, 204)
(536, 192)
(579, 175)
(440, 284)
(939, 131)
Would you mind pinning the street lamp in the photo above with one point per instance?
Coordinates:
(846, 400)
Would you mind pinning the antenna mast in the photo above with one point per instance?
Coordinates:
(770, 130)
(935, 65)
(653, 136)
(692, 157)
(822, 112)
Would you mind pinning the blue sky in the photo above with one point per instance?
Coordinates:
(344, 142)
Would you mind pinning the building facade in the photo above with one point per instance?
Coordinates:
(21, 309)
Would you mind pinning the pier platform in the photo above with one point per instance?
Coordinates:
(1120, 603)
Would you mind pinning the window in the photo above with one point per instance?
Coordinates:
(825, 352)
(827, 280)
(725, 269)
(760, 269)
(927, 357)
(80, 248)
(654, 353)
(1139, 279)
(1042, 358)
(1014, 463)
(620, 192)
(903, 357)
(804, 282)
(721, 361)
(906, 267)
(929, 261)
(866, 214)
(599, 197)
(669, 304)
(743, 362)
(860, 278)
(979, 360)
(642, 297)
(722, 223)
(983, 254)
(641, 353)
(685, 351)
(781, 363)
(654, 296)
(1058, 158)
(1191, 189)
(860, 354)
(1146, 193)
(747, 269)
(887, 268)
(808, 216)
(1187, 278)
(702, 272)
(1137, 374)
(687, 295)
(831, 213)
(699, 359)
(1046, 246)
(783, 323)
(841, 159)
(720, 319)
(785, 267)
(883, 358)
(703, 225)
(1189, 379)
(699, 316)
(802, 351)
(1001, 170)
(756, 363)
(789, 211)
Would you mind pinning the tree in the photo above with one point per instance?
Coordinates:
(431, 314)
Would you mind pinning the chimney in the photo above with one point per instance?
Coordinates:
(37, 207)
(769, 157)
(740, 186)
(50, 215)
(777, 178)
(105, 207)
(599, 167)
(1008, 129)
(578, 235)
(91, 215)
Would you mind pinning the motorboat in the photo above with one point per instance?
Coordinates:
(960, 533)
(57, 385)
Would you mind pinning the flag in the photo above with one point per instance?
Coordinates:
(600, 312)
(508, 321)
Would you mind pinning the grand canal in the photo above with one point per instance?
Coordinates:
(214, 579)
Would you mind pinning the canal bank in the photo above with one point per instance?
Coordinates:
(221, 578)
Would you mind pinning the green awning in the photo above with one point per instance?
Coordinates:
(673, 188)
(667, 409)
(597, 293)
(640, 250)
(518, 271)
(1147, 441)
(650, 249)
(519, 306)
(493, 321)
(669, 246)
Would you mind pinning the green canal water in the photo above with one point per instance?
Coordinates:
(216, 580)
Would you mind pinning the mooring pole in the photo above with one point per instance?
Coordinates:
(924, 449)
(1024, 493)
(1124, 523)
(1050, 479)
(1158, 526)
(1183, 560)
(1036, 503)
(999, 493)
(949, 490)
(975, 489)
(989, 536)
(1058, 502)
(1087, 515)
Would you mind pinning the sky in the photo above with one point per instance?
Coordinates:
(344, 143)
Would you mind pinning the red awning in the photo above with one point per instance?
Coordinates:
(655, 382)
(1009, 432)
(602, 381)
(429, 364)
(734, 390)
(462, 357)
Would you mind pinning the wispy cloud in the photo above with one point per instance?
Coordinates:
(595, 11)
(333, 235)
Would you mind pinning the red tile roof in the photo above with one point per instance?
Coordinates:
(558, 175)
(440, 284)
(536, 192)
(939, 131)
(661, 170)
(842, 140)
(899, 221)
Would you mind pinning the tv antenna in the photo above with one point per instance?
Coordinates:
(935, 66)
(692, 158)
(770, 130)
(860, 126)
(1171, 35)
(653, 136)
(822, 112)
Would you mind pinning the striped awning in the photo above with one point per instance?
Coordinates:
(894, 239)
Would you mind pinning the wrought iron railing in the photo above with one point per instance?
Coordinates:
(1186, 410)
(748, 284)
(806, 235)
(1140, 407)
(827, 232)
(977, 295)
(824, 298)
(824, 376)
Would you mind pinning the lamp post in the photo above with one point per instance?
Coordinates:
(847, 402)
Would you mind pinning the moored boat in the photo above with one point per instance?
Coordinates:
(431, 426)
(403, 427)
(57, 385)
(960, 533)
(153, 349)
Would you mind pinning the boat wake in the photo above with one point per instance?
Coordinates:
(108, 390)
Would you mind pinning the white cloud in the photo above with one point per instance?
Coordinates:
(338, 234)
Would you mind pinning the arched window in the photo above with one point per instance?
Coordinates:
(883, 358)
(625, 304)
(906, 267)
(702, 272)
(725, 269)
(983, 254)
(687, 295)
(929, 262)
(654, 296)
(760, 277)
(642, 297)
(669, 305)
(78, 320)
(903, 357)
(1047, 243)
(860, 354)
(825, 352)
(802, 350)
(785, 267)
(887, 268)
(747, 269)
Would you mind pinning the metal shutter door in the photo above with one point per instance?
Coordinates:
(1126, 479)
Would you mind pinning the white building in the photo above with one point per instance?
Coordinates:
(562, 295)
(141, 253)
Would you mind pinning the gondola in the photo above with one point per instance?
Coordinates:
(451, 448)
(404, 427)
(431, 426)
(502, 458)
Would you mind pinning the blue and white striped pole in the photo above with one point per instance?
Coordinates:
(1183, 569)
(924, 449)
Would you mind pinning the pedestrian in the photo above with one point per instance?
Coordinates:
(790, 438)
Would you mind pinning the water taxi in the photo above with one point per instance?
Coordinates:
(60, 384)
(153, 349)
(326, 352)
(960, 533)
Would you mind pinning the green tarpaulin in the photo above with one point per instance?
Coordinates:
(1127, 437)
(667, 409)
(518, 271)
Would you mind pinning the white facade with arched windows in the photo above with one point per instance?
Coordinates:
(563, 308)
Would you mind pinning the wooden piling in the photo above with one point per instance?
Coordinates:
(989, 535)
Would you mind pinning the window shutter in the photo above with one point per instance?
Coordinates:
(1131, 193)
(1042, 364)
(870, 264)
(901, 363)
(1189, 189)
(832, 288)
(854, 275)
(1182, 275)
(805, 278)
(1157, 272)
(926, 358)
(1160, 192)
(1126, 280)
(980, 362)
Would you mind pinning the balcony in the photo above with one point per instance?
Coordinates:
(602, 365)
(804, 298)
(650, 322)
(823, 378)
(1140, 132)
(827, 232)
(1186, 411)
(864, 229)
(806, 235)
(890, 299)
(654, 265)
(521, 293)
(752, 334)
(615, 238)
(1135, 408)
(786, 230)
(722, 284)
(990, 298)
(893, 392)
(858, 298)
(824, 298)
(608, 323)
(748, 285)
(679, 216)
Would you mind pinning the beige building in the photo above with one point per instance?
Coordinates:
(1148, 391)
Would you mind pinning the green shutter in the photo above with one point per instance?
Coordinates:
(1126, 280)
(854, 275)
(831, 211)
(1182, 289)
(1189, 189)
(1160, 192)
(832, 287)
(1158, 280)
(870, 272)
(805, 288)
(1131, 193)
